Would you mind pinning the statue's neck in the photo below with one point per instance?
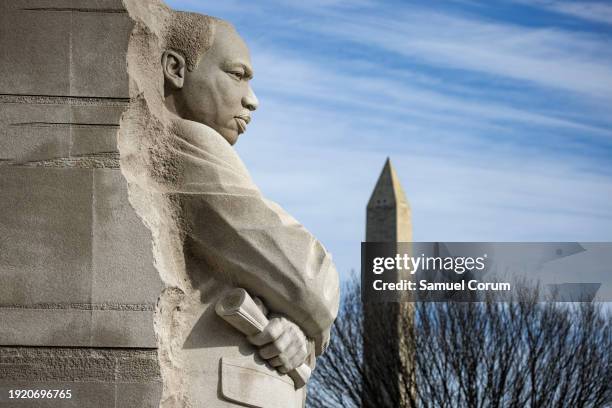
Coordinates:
(172, 105)
(194, 132)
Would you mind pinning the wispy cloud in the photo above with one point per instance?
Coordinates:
(578, 62)
(600, 12)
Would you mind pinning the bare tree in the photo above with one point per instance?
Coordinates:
(524, 353)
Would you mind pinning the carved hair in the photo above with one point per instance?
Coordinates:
(190, 34)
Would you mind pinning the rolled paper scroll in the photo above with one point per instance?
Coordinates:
(240, 310)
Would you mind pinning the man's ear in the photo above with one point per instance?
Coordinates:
(173, 65)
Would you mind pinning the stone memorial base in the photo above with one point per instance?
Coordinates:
(77, 283)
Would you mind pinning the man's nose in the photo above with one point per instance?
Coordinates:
(250, 100)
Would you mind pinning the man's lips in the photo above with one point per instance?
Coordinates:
(242, 121)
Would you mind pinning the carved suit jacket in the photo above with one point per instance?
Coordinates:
(230, 236)
(249, 241)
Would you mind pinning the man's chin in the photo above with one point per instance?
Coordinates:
(230, 136)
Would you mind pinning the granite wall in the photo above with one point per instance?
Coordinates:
(77, 283)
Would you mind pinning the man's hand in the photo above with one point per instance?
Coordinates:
(282, 344)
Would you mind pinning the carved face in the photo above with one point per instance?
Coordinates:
(217, 92)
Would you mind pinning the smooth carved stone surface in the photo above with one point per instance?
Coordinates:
(238, 384)
(74, 48)
(60, 325)
(80, 242)
(51, 242)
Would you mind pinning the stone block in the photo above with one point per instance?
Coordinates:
(45, 235)
(76, 327)
(86, 5)
(35, 141)
(98, 61)
(91, 375)
(100, 113)
(71, 236)
(138, 395)
(122, 328)
(83, 394)
(80, 327)
(75, 259)
(44, 65)
(88, 139)
(138, 367)
(78, 364)
(78, 284)
(33, 132)
(86, 395)
(50, 327)
(122, 260)
(63, 129)
(65, 53)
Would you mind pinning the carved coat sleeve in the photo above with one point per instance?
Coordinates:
(249, 241)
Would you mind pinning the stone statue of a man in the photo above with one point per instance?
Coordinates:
(212, 229)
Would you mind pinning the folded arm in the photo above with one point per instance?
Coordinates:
(249, 241)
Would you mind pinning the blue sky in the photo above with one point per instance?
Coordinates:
(496, 115)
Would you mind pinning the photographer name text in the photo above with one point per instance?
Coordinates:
(425, 285)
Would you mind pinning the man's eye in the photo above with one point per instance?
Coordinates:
(238, 75)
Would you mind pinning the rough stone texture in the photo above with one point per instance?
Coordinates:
(96, 377)
(75, 260)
